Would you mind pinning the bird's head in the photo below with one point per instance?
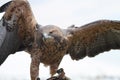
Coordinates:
(51, 32)
(50, 35)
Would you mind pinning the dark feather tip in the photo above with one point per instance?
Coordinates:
(4, 7)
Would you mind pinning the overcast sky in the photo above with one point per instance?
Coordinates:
(64, 13)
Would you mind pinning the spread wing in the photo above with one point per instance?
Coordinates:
(94, 38)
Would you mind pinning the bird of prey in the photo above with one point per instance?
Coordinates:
(48, 44)
(87, 40)
(17, 28)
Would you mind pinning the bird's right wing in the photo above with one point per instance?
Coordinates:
(94, 38)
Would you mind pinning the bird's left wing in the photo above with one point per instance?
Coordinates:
(94, 38)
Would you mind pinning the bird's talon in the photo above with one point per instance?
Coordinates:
(60, 70)
(38, 78)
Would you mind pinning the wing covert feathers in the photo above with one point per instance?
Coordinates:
(94, 38)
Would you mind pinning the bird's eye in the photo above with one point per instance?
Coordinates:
(51, 32)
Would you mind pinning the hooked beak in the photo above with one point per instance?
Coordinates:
(46, 36)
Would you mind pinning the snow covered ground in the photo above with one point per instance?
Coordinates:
(64, 13)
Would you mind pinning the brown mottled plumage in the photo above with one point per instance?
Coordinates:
(26, 21)
(50, 51)
(94, 38)
(88, 40)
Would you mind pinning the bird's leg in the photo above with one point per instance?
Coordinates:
(61, 75)
(34, 68)
(53, 69)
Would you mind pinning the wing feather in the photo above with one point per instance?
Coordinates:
(94, 38)
(4, 7)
